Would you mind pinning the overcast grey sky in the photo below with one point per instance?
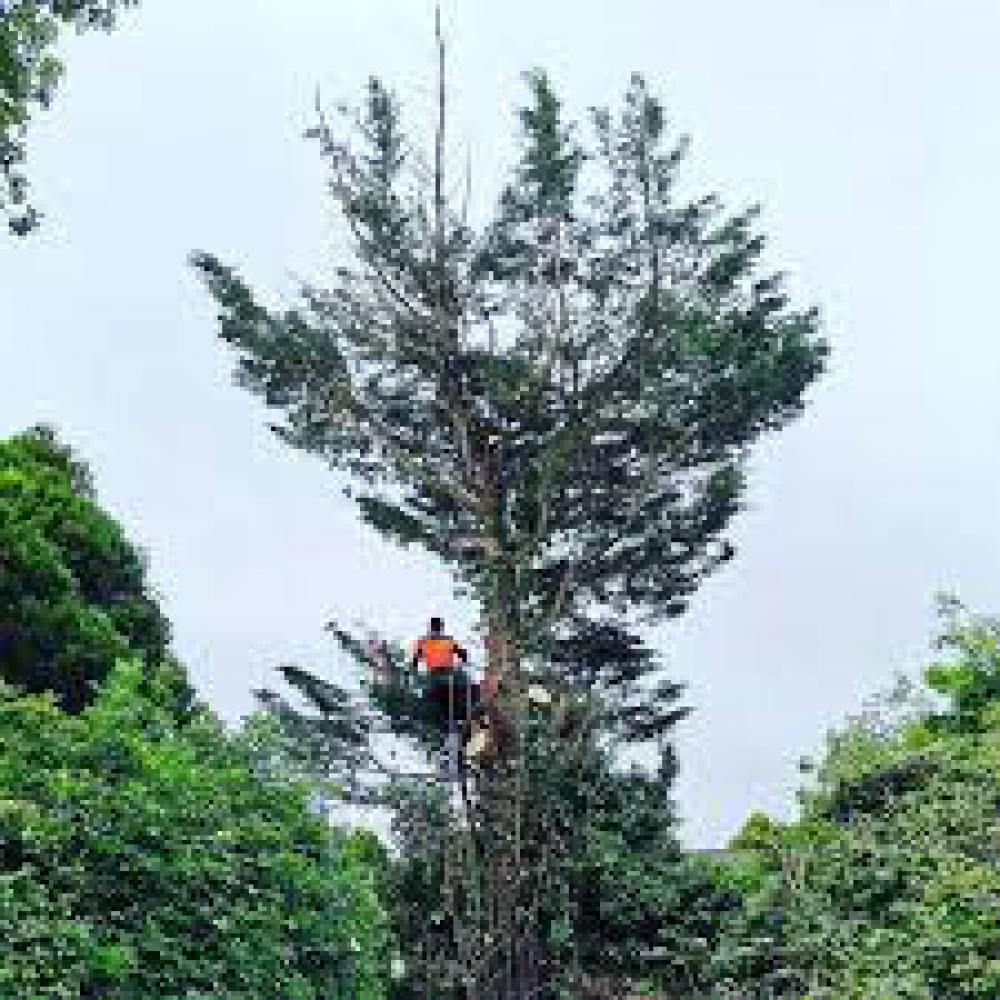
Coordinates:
(868, 129)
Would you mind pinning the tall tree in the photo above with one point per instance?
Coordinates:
(29, 74)
(558, 404)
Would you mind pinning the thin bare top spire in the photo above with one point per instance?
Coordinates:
(439, 170)
(439, 144)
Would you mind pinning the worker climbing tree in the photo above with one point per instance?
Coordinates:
(558, 403)
(450, 694)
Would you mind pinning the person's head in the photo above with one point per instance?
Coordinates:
(437, 626)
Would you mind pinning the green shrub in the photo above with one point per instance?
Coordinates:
(888, 887)
(144, 859)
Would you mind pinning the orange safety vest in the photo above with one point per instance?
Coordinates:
(438, 652)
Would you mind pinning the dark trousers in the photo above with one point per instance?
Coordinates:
(453, 697)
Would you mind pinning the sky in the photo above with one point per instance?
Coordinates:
(867, 131)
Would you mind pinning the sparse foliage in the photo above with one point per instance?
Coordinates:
(29, 76)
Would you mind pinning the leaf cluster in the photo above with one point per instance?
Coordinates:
(140, 858)
(30, 73)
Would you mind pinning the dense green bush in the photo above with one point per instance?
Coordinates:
(142, 859)
(888, 887)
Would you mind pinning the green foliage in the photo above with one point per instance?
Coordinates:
(29, 75)
(889, 884)
(641, 908)
(971, 680)
(602, 836)
(73, 593)
(759, 833)
(559, 406)
(142, 859)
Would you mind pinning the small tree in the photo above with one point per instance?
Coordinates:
(559, 405)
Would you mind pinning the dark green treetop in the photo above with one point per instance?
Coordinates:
(73, 591)
(560, 406)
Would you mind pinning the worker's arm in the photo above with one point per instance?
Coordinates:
(461, 653)
(418, 651)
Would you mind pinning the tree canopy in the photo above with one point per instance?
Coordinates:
(559, 405)
(144, 849)
(73, 591)
(889, 883)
